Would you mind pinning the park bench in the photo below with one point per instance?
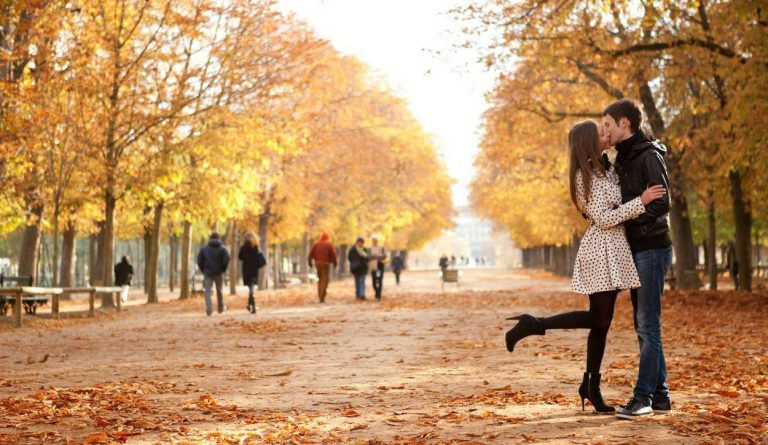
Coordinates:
(91, 291)
(18, 281)
(31, 302)
(449, 276)
(36, 295)
(690, 278)
(33, 295)
(194, 292)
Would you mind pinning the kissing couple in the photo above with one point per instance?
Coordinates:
(627, 246)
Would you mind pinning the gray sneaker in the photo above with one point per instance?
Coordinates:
(634, 409)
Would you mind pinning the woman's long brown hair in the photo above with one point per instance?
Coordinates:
(583, 143)
(250, 240)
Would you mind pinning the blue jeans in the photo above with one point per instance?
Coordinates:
(360, 286)
(208, 282)
(651, 265)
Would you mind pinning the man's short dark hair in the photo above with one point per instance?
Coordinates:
(215, 235)
(627, 108)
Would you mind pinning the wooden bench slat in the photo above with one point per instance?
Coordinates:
(105, 290)
(41, 290)
(32, 296)
(77, 290)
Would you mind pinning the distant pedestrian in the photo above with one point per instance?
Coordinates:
(453, 260)
(253, 260)
(377, 260)
(443, 264)
(358, 265)
(323, 254)
(398, 264)
(123, 277)
(213, 261)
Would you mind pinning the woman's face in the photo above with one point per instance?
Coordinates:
(603, 140)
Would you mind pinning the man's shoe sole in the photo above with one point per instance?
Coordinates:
(632, 416)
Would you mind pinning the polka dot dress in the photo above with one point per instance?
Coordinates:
(604, 261)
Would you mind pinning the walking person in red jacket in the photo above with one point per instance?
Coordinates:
(323, 254)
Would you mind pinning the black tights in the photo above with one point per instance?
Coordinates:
(597, 319)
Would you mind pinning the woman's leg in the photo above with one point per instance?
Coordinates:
(597, 317)
(599, 314)
(601, 306)
(251, 299)
(569, 320)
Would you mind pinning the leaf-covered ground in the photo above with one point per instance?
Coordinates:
(421, 367)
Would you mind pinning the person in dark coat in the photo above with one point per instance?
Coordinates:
(123, 277)
(213, 260)
(397, 266)
(358, 265)
(640, 164)
(443, 264)
(253, 260)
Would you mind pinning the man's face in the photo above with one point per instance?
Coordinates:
(604, 140)
(615, 131)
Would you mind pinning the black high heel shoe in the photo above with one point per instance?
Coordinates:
(528, 325)
(590, 390)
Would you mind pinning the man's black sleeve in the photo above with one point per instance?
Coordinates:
(655, 173)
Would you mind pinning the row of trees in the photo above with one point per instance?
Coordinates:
(134, 118)
(698, 68)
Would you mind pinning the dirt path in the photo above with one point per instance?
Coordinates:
(420, 367)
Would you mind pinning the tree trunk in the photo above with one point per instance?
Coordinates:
(108, 243)
(742, 218)
(233, 262)
(682, 240)
(173, 262)
(154, 255)
(756, 247)
(723, 255)
(186, 248)
(40, 271)
(99, 269)
(264, 243)
(30, 243)
(341, 271)
(712, 244)
(56, 213)
(147, 256)
(276, 266)
(93, 260)
(68, 255)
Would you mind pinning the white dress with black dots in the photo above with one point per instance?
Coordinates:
(604, 261)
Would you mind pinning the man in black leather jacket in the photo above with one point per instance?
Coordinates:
(640, 164)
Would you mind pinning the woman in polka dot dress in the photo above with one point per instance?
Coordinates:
(604, 264)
